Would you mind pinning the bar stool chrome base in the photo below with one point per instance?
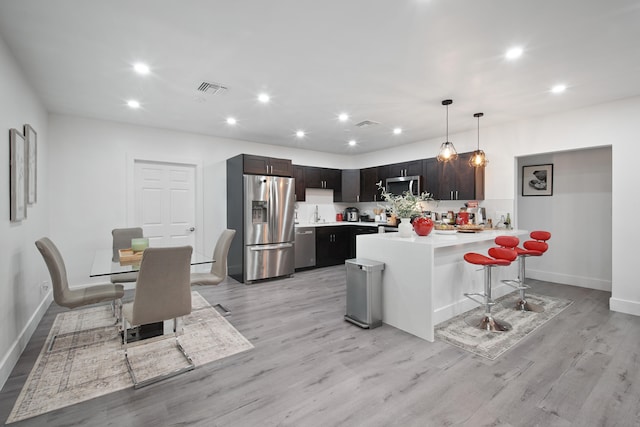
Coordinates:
(521, 303)
(524, 305)
(487, 323)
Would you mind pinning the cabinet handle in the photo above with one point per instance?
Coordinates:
(451, 195)
(456, 194)
(358, 198)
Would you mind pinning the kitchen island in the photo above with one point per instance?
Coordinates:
(425, 278)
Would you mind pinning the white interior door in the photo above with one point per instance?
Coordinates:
(165, 202)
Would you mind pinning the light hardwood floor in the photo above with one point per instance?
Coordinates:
(311, 368)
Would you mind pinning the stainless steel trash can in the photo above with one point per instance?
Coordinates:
(364, 292)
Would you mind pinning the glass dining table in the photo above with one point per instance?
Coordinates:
(103, 265)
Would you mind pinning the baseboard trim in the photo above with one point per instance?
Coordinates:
(566, 279)
(624, 306)
(10, 358)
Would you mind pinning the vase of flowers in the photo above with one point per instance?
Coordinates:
(404, 206)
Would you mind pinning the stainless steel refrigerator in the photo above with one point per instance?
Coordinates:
(266, 219)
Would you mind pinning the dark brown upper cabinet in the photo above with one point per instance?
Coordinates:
(301, 186)
(454, 180)
(368, 185)
(259, 165)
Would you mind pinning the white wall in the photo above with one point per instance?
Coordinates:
(22, 271)
(578, 214)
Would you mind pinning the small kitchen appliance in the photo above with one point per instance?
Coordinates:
(462, 218)
(352, 214)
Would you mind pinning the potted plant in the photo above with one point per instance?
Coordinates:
(404, 206)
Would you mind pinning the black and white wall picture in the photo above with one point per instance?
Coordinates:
(31, 139)
(18, 179)
(537, 180)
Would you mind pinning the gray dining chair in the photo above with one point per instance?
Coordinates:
(163, 292)
(76, 297)
(122, 240)
(219, 267)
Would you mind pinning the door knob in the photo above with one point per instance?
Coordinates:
(191, 229)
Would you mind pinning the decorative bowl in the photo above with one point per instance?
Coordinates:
(422, 226)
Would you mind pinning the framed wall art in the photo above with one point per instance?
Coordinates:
(537, 180)
(18, 183)
(31, 139)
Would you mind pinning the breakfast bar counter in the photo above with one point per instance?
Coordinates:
(425, 278)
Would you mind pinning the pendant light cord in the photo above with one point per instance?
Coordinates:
(447, 123)
(478, 115)
(478, 132)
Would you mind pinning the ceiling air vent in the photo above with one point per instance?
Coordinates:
(212, 88)
(366, 123)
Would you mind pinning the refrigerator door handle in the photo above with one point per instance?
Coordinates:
(271, 247)
(272, 211)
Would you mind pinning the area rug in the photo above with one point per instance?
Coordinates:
(492, 344)
(86, 360)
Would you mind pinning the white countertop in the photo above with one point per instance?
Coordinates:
(442, 240)
(339, 223)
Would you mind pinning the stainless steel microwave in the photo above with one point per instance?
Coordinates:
(400, 184)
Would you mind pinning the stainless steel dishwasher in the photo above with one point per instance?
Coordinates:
(305, 247)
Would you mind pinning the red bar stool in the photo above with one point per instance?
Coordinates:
(535, 247)
(500, 256)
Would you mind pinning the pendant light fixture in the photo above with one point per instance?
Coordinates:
(479, 159)
(447, 150)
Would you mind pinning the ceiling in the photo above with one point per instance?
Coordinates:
(387, 61)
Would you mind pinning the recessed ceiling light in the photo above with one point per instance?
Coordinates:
(300, 134)
(264, 98)
(352, 142)
(513, 53)
(231, 121)
(141, 68)
(343, 117)
(397, 131)
(559, 88)
(132, 103)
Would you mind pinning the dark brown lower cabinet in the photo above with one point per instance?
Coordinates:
(335, 245)
(332, 245)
